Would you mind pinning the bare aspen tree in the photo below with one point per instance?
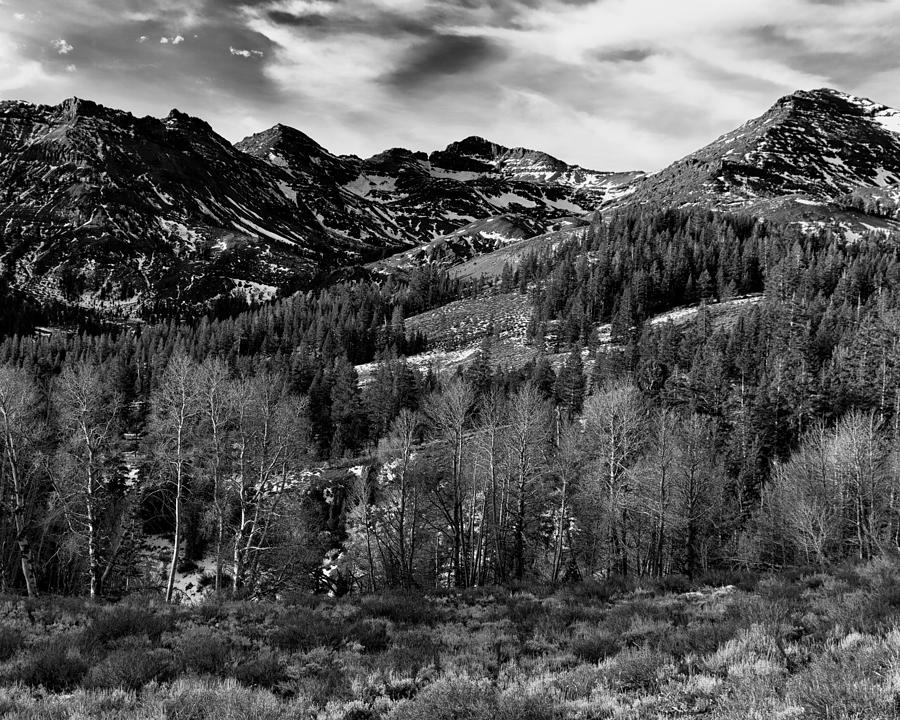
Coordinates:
(270, 439)
(449, 415)
(90, 417)
(697, 487)
(862, 454)
(18, 425)
(398, 446)
(176, 409)
(217, 403)
(567, 469)
(614, 429)
(653, 478)
(833, 495)
(529, 433)
(490, 449)
(361, 540)
(804, 498)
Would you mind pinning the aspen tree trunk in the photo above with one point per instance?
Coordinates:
(25, 556)
(179, 491)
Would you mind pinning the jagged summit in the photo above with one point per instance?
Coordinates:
(407, 196)
(278, 135)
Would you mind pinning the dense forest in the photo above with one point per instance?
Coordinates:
(765, 438)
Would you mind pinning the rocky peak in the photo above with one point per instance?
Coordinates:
(188, 123)
(805, 154)
(281, 137)
(76, 107)
(476, 147)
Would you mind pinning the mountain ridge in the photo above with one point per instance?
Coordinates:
(103, 209)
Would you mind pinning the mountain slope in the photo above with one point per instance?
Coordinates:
(413, 198)
(104, 210)
(813, 154)
(99, 207)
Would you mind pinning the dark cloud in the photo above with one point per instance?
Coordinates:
(626, 55)
(441, 56)
(362, 20)
(308, 20)
(367, 17)
(841, 68)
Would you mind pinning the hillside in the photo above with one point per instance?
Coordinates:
(814, 156)
(129, 216)
(472, 187)
(125, 215)
(103, 209)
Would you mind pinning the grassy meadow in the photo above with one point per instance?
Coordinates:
(800, 645)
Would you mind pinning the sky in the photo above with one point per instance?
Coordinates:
(607, 84)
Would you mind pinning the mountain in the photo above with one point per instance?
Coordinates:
(413, 198)
(126, 215)
(104, 210)
(814, 155)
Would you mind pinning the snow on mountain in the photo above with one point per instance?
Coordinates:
(413, 198)
(100, 208)
(814, 155)
(129, 215)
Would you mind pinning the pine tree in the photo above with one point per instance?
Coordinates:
(570, 383)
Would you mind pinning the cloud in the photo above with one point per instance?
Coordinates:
(442, 55)
(245, 53)
(62, 47)
(624, 55)
(606, 83)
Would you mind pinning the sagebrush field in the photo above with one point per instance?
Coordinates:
(805, 645)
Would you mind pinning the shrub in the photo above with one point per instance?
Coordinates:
(401, 609)
(223, 700)
(360, 713)
(449, 700)
(119, 621)
(636, 669)
(742, 580)
(10, 642)
(526, 613)
(412, 652)
(463, 698)
(595, 647)
(265, 670)
(321, 678)
(306, 631)
(835, 689)
(54, 664)
(371, 634)
(204, 651)
(700, 639)
(525, 707)
(671, 584)
(130, 669)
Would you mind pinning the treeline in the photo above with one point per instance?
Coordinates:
(674, 448)
(465, 489)
(508, 490)
(218, 469)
